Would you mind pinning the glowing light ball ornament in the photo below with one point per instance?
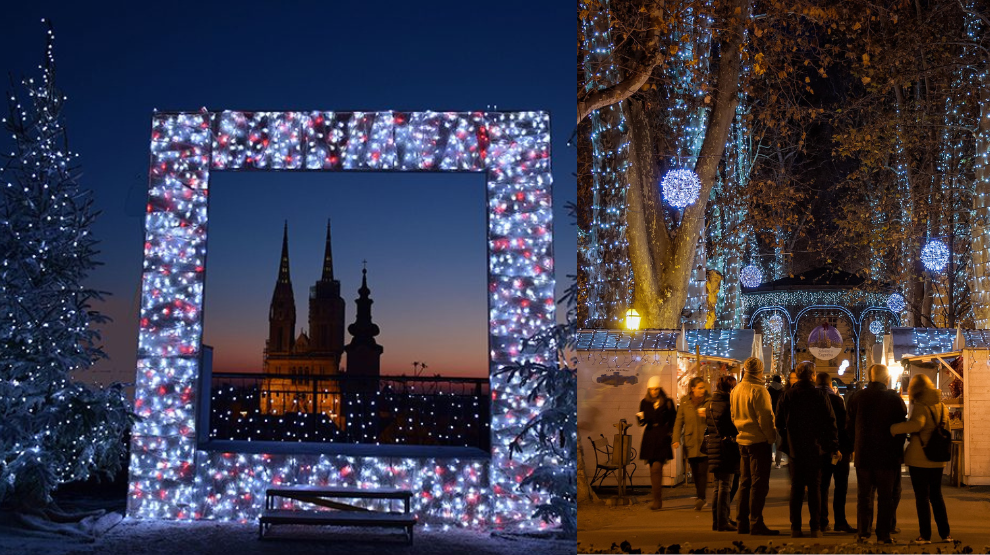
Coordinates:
(935, 256)
(896, 303)
(681, 187)
(876, 327)
(751, 276)
(775, 322)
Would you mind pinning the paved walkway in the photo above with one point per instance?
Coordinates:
(600, 526)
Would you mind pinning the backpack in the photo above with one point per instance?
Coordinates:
(939, 446)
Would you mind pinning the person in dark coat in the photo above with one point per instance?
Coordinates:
(775, 389)
(840, 470)
(781, 444)
(869, 416)
(657, 412)
(805, 418)
(723, 456)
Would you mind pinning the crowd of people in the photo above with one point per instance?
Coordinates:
(735, 431)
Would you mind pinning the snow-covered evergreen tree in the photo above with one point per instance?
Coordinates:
(52, 428)
(550, 439)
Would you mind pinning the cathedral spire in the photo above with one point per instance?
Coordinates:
(282, 312)
(283, 269)
(328, 258)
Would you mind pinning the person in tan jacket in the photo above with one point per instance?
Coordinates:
(691, 422)
(927, 413)
(752, 415)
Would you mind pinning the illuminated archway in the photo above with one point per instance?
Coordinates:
(171, 476)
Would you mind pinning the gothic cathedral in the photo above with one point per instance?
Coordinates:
(319, 352)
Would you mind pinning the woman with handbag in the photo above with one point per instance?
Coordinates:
(723, 452)
(690, 422)
(657, 413)
(926, 454)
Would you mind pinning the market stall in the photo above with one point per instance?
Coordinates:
(614, 366)
(958, 363)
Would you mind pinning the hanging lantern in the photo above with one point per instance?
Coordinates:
(751, 276)
(680, 187)
(935, 256)
(895, 302)
(876, 327)
(632, 319)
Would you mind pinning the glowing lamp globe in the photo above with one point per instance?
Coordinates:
(843, 366)
(680, 187)
(935, 256)
(876, 327)
(632, 319)
(775, 322)
(751, 276)
(895, 302)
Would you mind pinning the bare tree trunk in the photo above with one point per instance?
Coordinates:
(981, 214)
(676, 270)
(645, 239)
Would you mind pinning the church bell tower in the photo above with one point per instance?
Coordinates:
(326, 310)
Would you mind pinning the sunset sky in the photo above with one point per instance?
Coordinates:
(422, 235)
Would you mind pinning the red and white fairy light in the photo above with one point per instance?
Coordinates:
(170, 477)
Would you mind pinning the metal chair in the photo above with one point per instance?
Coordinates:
(610, 464)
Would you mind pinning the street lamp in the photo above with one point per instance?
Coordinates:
(632, 319)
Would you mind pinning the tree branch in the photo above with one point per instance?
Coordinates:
(621, 90)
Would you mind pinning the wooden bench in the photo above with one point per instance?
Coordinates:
(343, 515)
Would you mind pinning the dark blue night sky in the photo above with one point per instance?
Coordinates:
(423, 235)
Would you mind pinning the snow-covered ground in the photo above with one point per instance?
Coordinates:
(137, 537)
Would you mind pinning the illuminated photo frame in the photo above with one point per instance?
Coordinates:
(171, 475)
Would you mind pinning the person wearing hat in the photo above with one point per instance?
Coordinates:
(752, 414)
(657, 413)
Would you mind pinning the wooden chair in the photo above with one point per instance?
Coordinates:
(606, 460)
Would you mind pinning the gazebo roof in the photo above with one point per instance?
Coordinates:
(819, 278)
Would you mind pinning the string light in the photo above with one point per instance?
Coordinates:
(438, 411)
(604, 247)
(680, 187)
(876, 328)
(170, 477)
